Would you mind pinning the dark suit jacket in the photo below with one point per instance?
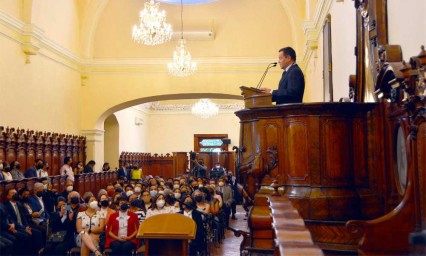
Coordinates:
(35, 205)
(12, 215)
(87, 169)
(31, 172)
(291, 87)
(120, 173)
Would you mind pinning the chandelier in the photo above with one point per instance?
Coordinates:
(182, 65)
(152, 28)
(205, 108)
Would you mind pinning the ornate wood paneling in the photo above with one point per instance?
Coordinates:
(296, 162)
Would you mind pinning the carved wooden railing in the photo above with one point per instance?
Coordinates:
(83, 182)
(28, 145)
(405, 87)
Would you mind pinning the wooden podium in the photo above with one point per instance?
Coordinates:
(254, 97)
(167, 234)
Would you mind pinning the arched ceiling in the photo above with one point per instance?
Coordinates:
(240, 27)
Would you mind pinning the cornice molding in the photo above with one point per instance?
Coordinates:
(155, 108)
(34, 41)
(313, 28)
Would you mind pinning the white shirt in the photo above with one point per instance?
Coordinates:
(67, 170)
(187, 214)
(7, 176)
(122, 223)
(42, 173)
(152, 212)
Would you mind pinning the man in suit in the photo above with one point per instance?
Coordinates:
(16, 171)
(88, 168)
(124, 172)
(32, 171)
(292, 83)
(19, 226)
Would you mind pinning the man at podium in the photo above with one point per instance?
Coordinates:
(292, 83)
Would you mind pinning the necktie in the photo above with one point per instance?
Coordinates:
(39, 173)
(18, 215)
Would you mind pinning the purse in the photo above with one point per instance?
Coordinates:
(57, 237)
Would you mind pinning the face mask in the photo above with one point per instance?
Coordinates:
(134, 203)
(94, 205)
(25, 199)
(75, 200)
(212, 185)
(15, 197)
(129, 193)
(39, 194)
(39, 166)
(160, 203)
(189, 205)
(217, 166)
(177, 195)
(138, 189)
(18, 167)
(161, 183)
(201, 185)
(175, 186)
(69, 188)
(124, 207)
(104, 203)
(198, 199)
(1, 167)
(221, 184)
(111, 193)
(45, 186)
(153, 193)
(7, 169)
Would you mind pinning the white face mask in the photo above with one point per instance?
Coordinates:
(212, 185)
(177, 195)
(129, 193)
(161, 203)
(221, 184)
(217, 166)
(175, 186)
(94, 205)
(45, 186)
(200, 186)
(69, 188)
(138, 189)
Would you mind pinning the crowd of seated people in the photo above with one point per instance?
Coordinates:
(44, 221)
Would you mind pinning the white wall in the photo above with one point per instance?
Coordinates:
(343, 34)
(111, 142)
(133, 137)
(175, 131)
(167, 132)
(407, 23)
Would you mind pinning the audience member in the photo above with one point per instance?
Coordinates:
(5, 170)
(88, 168)
(16, 171)
(66, 169)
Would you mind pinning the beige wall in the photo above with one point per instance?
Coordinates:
(111, 142)
(133, 135)
(407, 25)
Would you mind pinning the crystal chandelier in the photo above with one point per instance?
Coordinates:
(182, 65)
(152, 28)
(205, 108)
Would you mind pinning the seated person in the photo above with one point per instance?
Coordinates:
(7, 176)
(217, 171)
(121, 230)
(196, 246)
(137, 206)
(158, 207)
(200, 202)
(59, 221)
(89, 224)
(105, 208)
(146, 197)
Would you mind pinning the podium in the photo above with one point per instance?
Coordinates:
(254, 97)
(167, 234)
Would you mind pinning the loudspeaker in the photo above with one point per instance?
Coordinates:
(226, 141)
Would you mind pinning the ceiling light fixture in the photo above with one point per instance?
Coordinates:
(153, 29)
(182, 64)
(205, 108)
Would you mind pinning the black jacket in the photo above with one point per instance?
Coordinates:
(291, 87)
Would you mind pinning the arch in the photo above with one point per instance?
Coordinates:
(89, 23)
(295, 20)
(111, 140)
(181, 96)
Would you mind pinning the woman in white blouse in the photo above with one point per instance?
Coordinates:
(158, 206)
(89, 224)
(6, 171)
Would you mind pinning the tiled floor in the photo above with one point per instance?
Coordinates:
(231, 244)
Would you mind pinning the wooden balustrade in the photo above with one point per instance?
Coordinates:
(83, 182)
(27, 145)
(171, 165)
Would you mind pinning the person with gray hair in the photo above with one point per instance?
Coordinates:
(37, 204)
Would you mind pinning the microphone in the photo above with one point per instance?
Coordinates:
(270, 65)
